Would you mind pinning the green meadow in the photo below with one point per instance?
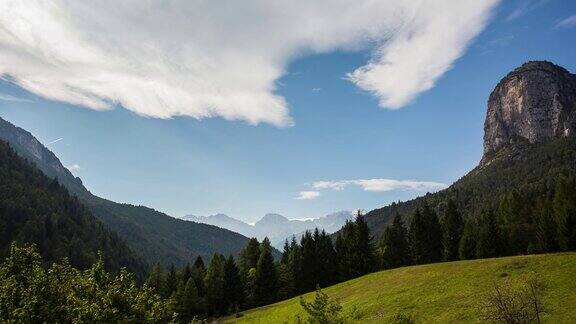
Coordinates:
(449, 292)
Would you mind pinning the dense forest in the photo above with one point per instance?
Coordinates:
(37, 209)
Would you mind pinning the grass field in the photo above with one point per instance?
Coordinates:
(439, 293)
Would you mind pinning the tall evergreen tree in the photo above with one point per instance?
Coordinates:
(564, 204)
(199, 264)
(453, 227)
(249, 257)
(345, 251)
(467, 246)
(309, 263)
(488, 243)
(365, 256)
(234, 291)
(266, 280)
(545, 238)
(215, 284)
(186, 301)
(433, 235)
(171, 282)
(156, 280)
(394, 245)
(327, 260)
(418, 238)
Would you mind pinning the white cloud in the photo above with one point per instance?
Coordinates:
(307, 195)
(75, 167)
(7, 97)
(223, 58)
(567, 22)
(380, 185)
(316, 89)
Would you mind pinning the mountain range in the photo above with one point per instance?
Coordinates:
(274, 226)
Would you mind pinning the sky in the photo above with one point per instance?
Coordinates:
(247, 108)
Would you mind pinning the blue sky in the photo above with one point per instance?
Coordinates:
(184, 165)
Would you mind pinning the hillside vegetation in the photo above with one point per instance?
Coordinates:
(440, 293)
(530, 169)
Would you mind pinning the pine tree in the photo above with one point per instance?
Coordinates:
(365, 256)
(309, 263)
(394, 245)
(564, 204)
(266, 280)
(513, 224)
(249, 257)
(186, 301)
(433, 235)
(234, 291)
(171, 282)
(294, 266)
(345, 251)
(418, 239)
(214, 283)
(467, 246)
(545, 238)
(488, 243)
(156, 279)
(453, 227)
(286, 282)
(327, 260)
(199, 264)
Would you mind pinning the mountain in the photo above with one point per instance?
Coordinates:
(154, 235)
(528, 142)
(274, 226)
(37, 209)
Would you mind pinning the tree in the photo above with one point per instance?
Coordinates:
(234, 291)
(187, 302)
(155, 279)
(564, 205)
(322, 310)
(345, 251)
(453, 227)
(171, 282)
(545, 239)
(266, 280)
(467, 246)
(433, 235)
(365, 256)
(249, 257)
(488, 243)
(418, 237)
(394, 245)
(309, 263)
(327, 260)
(215, 284)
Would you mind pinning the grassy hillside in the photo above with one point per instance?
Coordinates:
(439, 293)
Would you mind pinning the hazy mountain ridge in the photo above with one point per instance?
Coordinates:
(152, 234)
(276, 227)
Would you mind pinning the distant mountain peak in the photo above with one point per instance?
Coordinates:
(536, 102)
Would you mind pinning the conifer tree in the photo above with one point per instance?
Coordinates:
(453, 227)
(309, 263)
(214, 283)
(418, 238)
(155, 279)
(266, 279)
(199, 264)
(365, 256)
(345, 251)
(327, 260)
(433, 235)
(467, 246)
(564, 205)
(249, 257)
(171, 282)
(233, 289)
(545, 237)
(488, 243)
(394, 245)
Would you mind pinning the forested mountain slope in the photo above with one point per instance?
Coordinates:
(154, 235)
(37, 209)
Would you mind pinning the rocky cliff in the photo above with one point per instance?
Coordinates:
(536, 102)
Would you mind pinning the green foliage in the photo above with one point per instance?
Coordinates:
(467, 246)
(394, 245)
(453, 227)
(63, 294)
(322, 310)
(266, 280)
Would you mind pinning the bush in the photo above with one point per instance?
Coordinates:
(322, 310)
(515, 305)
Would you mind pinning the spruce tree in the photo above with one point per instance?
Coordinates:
(309, 263)
(327, 260)
(433, 235)
(418, 238)
(248, 257)
(171, 282)
(453, 227)
(156, 279)
(266, 280)
(545, 237)
(199, 264)
(394, 245)
(214, 283)
(488, 243)
(467, 245)
(365, 256)
(564, 205)
(345, 251)
(234, 291)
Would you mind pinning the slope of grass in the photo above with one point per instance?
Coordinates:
(439, 293)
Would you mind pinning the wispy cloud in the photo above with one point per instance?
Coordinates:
(7, 97)
(525, 7)
(567, 22)
(316, 89)
(211, 59)
(55, 141)
(380, 185)
(308, 195)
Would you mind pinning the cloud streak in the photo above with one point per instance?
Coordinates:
(212, 59)
(55, 141)
(308, 195)
(567, 22)
(380, 185)
(7, 97)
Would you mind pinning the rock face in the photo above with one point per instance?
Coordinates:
(536, 102)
